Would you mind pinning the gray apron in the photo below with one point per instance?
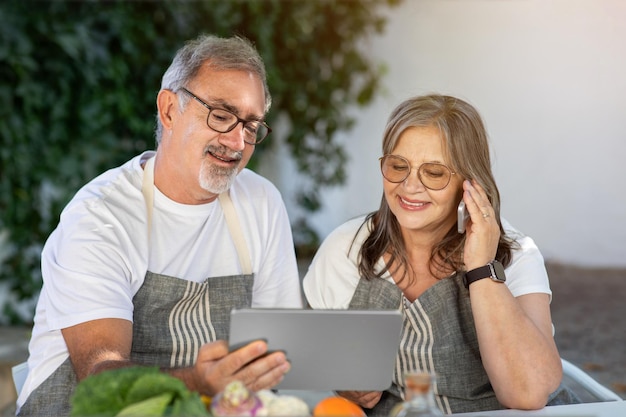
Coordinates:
(438, 336)
(172, 317)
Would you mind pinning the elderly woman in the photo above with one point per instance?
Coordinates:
(476, 304)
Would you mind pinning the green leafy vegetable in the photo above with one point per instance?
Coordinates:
(154, 406)
(135, 391)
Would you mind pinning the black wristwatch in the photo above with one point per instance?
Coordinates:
(493, 270)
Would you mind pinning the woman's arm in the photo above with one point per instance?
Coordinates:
(516, 344)
(514, 333)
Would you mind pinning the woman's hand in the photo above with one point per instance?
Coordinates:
(366, 399)
(483, 232)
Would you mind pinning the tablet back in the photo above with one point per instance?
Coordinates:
(328, 349)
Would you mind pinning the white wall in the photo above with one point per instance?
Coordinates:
(549, 78)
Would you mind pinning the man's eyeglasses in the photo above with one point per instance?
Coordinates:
(223, 121)
(434, 176)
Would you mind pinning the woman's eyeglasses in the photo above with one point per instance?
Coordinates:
(433, 175)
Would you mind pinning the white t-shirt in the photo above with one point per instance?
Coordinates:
(333, 274)
(96, 259)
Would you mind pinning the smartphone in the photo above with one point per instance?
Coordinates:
(462, 217)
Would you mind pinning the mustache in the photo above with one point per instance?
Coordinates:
(223, 153)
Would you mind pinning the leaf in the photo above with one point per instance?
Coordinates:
(105, 393)
(190, 407)
(154, 406)
(149, 385)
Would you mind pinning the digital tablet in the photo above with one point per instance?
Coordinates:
(328, 349)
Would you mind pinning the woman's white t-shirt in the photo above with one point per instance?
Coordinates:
(333, 274)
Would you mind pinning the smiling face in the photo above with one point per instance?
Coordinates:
(194, 162)
(417, 208)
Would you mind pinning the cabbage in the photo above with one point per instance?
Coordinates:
(135, 391)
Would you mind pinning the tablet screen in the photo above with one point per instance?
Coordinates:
(328, 349)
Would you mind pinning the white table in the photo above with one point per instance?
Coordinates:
(606, 409)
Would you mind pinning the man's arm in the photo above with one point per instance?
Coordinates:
(99, 345)
(104, 344)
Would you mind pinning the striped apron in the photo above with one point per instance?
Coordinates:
(172, 317)
(438, 336)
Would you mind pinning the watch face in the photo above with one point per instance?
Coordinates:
(498, 269)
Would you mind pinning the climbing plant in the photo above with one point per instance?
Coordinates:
(78, 87)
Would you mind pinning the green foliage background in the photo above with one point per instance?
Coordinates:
(78, 88)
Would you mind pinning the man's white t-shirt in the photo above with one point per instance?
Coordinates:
(97, 258)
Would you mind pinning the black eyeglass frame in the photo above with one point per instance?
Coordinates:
(239, 119)
(419, 174)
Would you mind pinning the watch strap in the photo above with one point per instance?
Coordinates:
(477, 274)
(493, 270)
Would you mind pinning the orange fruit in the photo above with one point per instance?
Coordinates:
(337, 407)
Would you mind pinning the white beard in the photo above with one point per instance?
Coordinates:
(214, 179)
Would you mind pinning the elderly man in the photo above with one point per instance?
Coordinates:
(150, 257)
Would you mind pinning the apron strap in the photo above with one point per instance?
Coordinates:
(148, 191)
(235, 231)
(232, 221)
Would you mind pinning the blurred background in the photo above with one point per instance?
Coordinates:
(78, 82)
(548, 79)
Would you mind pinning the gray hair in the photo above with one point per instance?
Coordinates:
(236, 53)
